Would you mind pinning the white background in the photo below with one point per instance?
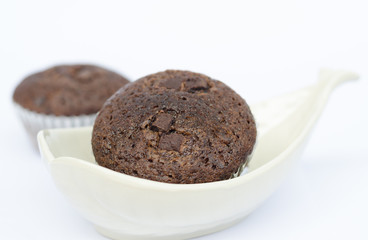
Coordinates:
(259, 48)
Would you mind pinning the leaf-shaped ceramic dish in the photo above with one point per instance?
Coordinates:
(126, 207)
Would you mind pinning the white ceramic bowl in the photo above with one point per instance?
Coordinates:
(126, 207)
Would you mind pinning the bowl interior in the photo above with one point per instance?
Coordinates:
(66, 143)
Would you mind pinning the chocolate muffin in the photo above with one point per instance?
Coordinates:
(175, 127)
(68, 90)
(64, 96)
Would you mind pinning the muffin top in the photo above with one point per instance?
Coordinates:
(175, 127)
(68, 90)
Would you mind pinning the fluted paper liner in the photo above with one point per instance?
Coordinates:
(33, 122)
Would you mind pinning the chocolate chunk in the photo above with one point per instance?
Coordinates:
(172, 83)
(195, 84)
(171, 142)
(163, 122)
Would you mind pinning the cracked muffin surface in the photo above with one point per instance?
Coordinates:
(174, 127)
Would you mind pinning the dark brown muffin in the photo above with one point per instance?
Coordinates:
(68, 90)
(175, 127)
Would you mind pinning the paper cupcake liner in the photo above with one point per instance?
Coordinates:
(33, 122)
(243, 169)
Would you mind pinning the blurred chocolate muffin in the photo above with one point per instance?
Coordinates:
(175, 127)
(68, 90)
